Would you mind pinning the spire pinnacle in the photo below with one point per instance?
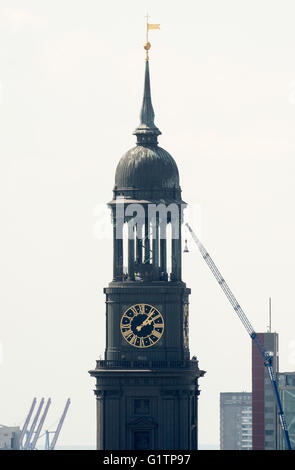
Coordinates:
(147, 132)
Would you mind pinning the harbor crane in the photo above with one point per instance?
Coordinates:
(40, 425)
(32, 436)
(26, 423)
(266, 356)
(51, 446)
(33, 425)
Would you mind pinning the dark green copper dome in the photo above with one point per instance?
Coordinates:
(147, 171)
(146, 167)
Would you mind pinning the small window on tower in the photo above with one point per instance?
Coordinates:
(141, 406)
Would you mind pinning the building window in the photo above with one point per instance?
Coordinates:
(290, 380)
(141, 406)
(268, 420)
(141, 440)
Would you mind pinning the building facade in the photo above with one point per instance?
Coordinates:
(264, 412)
(236, 421)
(9, 437)
(286, 383)
(147, 385)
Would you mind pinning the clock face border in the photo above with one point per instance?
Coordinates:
(142, 340)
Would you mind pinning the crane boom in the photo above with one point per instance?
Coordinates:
(41, 422)
(30, 434)
(58, 429)
(267, 358)
(26, 423)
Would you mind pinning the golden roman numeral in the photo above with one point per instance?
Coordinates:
(132, 341)
(141, 308)
(126, 333)
(157, 334)
(155, 318)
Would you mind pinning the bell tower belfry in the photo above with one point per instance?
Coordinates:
(147, 385)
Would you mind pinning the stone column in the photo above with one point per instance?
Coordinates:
(146, 241)
(176, 249)
(139, 244)
(131, 251)
(156, 246)
(117, 249)
(184, 425)
(100, 428)
(163, 248)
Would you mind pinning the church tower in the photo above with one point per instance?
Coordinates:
(147, 384)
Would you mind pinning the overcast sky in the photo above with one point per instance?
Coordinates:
(71, 82)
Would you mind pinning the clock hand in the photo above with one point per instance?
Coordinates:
(147, 321)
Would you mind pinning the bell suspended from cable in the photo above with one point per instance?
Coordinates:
(186, 250)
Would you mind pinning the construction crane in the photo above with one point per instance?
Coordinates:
(26, 424)
(40, 425)
(48, 445)
(267, 358)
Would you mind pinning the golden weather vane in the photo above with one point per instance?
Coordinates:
(149, 26)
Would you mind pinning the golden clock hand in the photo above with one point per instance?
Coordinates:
(147, 321)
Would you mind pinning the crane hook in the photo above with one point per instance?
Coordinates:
(186, 250)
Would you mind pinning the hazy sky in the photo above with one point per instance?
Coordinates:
(71, 82)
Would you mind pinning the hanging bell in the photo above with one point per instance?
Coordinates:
(186, 250)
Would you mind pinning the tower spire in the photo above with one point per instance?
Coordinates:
(147, 132)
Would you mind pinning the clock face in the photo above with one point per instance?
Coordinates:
(142, 325)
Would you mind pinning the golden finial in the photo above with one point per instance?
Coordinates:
(147, 47)
(149, 26)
